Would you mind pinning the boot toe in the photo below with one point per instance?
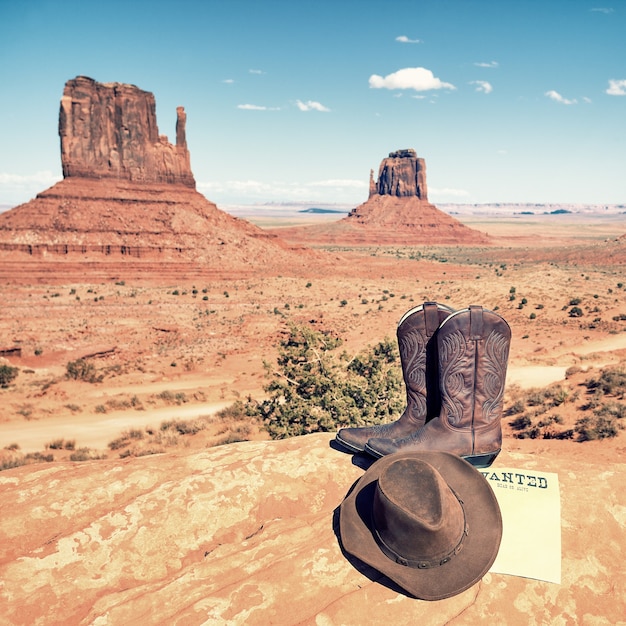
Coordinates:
(351, 439)
(379, 447)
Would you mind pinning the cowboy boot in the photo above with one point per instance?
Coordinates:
(473, 347)
(416, 330)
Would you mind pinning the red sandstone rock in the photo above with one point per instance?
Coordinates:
(402, 174)
(88, 218)
(128, 193)
(396, 212)
(109, 130)
(246, 534)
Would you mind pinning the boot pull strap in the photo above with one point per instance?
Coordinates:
(431, 317)
(476, 322)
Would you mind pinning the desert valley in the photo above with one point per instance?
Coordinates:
(172, 307)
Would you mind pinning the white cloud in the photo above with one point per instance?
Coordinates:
(18, 188)
(587, 100)
(256, 71)
(482, 85)
(256, 107)
(616, 88)
(418, 78)
(604, 10)
(228, 81)
(405, 39)
(488, 64)
(311, 105)
(557, 97)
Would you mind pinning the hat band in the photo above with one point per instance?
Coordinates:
(423, 563)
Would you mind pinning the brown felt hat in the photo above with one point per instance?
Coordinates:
(427, 520)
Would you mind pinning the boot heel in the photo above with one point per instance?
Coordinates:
(482, 460)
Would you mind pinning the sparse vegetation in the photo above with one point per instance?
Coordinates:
(7, 375)
(599, 414)
(315, 387)
(84, 370)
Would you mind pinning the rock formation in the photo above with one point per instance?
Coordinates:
(110, 131)
(128, 193)
(402, 174)
(246, 534)
(396, 212)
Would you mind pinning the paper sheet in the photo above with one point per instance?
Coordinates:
(531, 517)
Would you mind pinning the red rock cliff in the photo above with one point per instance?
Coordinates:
(402, 174)
(109, 130)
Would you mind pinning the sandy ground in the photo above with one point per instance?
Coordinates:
(185, 343)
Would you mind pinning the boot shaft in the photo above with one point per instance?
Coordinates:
(473, 347)
(418, 356)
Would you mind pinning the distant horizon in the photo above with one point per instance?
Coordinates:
(346, 207)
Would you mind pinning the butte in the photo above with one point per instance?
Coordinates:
(397, 212)
(128, 197)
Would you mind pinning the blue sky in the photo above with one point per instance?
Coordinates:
(507, 100)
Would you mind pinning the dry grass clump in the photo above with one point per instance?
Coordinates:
(229, 425)
(11, 457)
(565, 411)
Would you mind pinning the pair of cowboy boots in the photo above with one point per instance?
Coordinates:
(454, 368)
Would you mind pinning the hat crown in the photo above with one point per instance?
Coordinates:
(418, 520)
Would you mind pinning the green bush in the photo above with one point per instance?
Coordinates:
(82, 370)
(317, 388)
(7, 375)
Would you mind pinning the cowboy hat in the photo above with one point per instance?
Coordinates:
(427, 520)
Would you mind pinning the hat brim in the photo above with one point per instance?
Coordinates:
(466, 568)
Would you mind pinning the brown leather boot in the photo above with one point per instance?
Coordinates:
(416, 340)
(473, 347)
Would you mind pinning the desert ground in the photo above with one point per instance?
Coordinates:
(180, 342)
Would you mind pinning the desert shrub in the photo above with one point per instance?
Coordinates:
(82, 369)
(38, 457)
(173, 398)
(520, 423)
(573, 369)
(85, 454)
(7, 375)
(574, 301)
(596, 427)
(537, 397)
(118, 443)
(234, 436)
(11, 462)
(314, 387)
(184, 427)
(611, 409)
(116, 404)
(611, 381)
(61, 444)
(575, 311)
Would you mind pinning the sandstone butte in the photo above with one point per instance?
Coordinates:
(127, 193)
(247, 534)
(396, 212)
